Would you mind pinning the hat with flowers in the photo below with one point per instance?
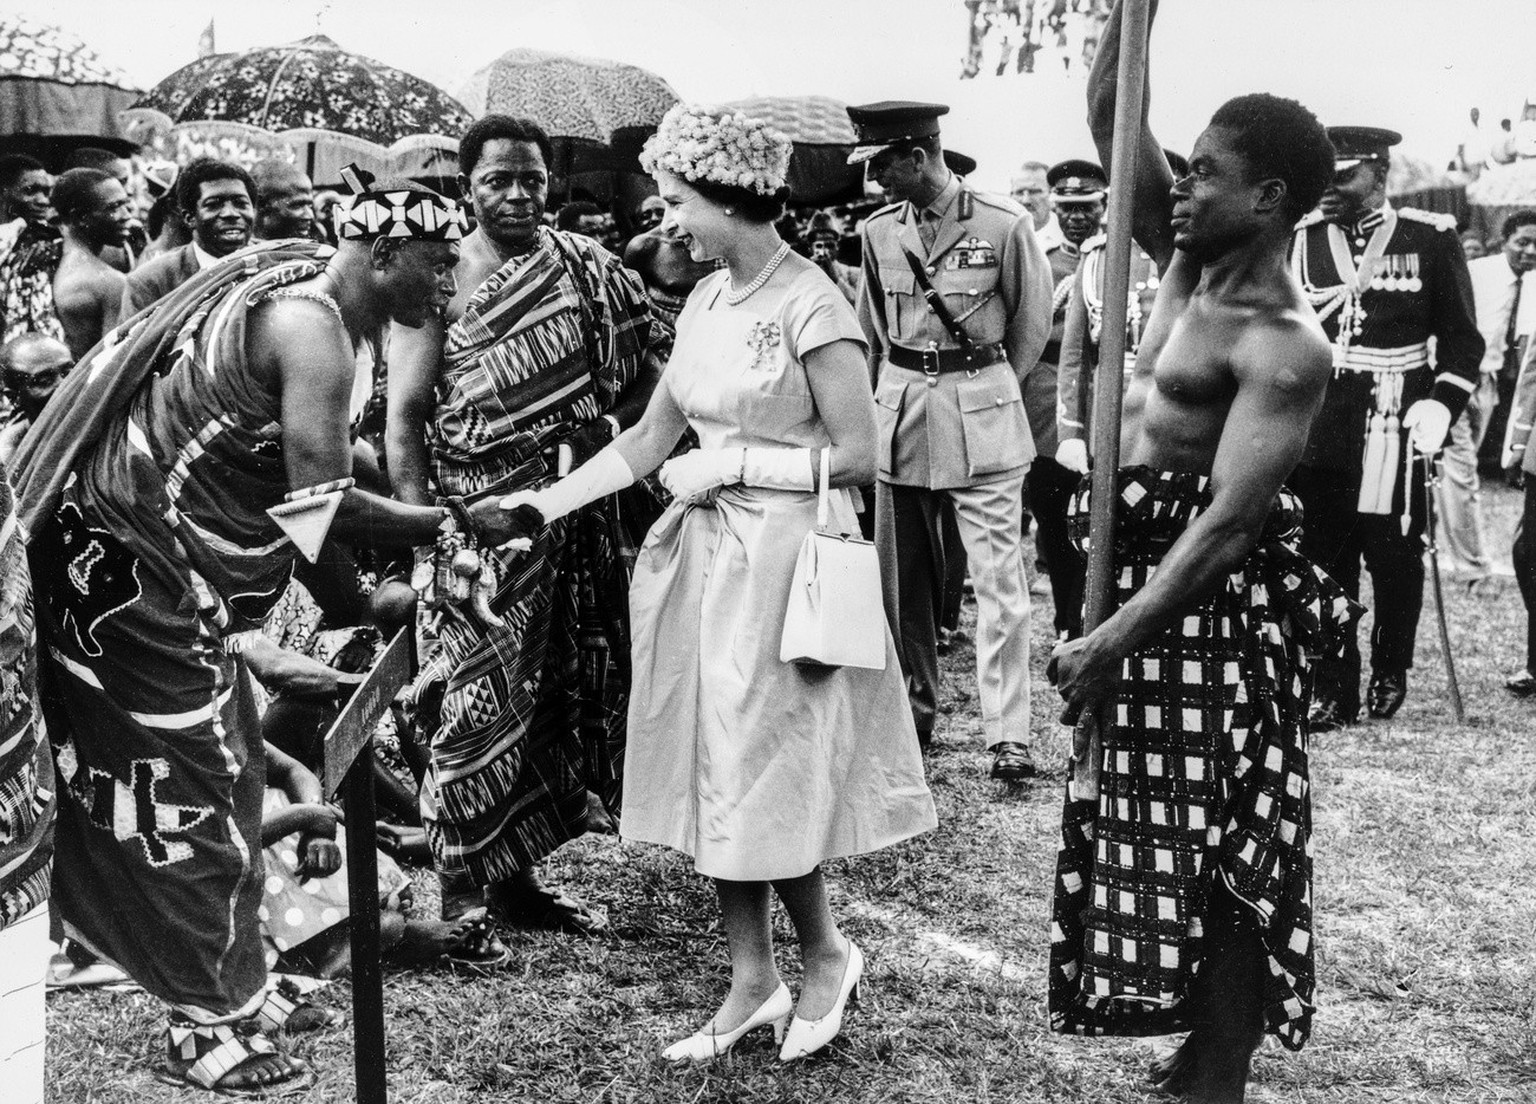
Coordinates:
(700, 143)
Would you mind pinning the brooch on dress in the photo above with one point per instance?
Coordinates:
(762, 337)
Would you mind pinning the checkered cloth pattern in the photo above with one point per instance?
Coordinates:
(1204, 776)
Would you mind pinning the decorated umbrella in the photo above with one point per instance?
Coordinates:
(332, 107)
(54, 87)
(818, 126)
(597, 112)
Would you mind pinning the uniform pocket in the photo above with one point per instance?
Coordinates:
(889, 396)
(993, 423)
(903, 303)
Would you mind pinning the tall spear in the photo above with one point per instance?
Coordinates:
(1130, 93)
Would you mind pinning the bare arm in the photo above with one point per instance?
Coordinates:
(1281, 372)
(1152, 206)
(846, 406)
(415, 363)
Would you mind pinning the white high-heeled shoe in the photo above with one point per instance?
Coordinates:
(806, 1037)
(704, 1045)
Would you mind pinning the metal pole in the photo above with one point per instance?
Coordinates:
(1098, 590)
(363, 893)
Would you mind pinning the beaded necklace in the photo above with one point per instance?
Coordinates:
(736, 298)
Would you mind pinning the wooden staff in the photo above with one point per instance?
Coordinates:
(1130, 90)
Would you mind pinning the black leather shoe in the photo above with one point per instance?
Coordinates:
(1386, 693)
(1011, 762)
(1521, 685)
(1326, 715)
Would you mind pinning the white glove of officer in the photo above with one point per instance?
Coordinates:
(1072, 454)
(1428, 421)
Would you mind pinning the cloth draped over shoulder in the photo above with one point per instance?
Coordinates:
(529, 716)
(1204, 776)
(26, 765)
(144, 488)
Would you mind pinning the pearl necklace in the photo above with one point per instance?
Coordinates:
(736, 298)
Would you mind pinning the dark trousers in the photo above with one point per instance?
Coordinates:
(1049, 487)
(1339, 539)
(1525, 568)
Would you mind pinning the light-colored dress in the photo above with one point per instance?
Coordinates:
(757, 768)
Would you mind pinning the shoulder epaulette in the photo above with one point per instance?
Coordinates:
(999, 202)
(1431, 218)
(1311, 218)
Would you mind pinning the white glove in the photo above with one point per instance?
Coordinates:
(786, 469)
(603, 475)
(701, 470)
(1072, 454)
(1428, 421)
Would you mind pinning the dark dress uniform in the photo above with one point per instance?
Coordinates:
(1362, 491)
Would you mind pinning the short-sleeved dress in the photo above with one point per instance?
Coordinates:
(757, 768)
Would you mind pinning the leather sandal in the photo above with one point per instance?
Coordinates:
(203, 1057)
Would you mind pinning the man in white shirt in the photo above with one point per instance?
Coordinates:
(1504, 294)
(1030, 190)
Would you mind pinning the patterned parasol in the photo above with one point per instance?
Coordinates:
(581, 98)
(332, 105)
(51, 83)
(823, 137)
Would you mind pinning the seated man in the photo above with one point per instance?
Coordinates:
(31, 366)
(217, 201)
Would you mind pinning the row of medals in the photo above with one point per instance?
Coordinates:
(1397, 272)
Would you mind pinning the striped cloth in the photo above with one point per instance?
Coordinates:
(528, 717)
(26, 766)
(26, 290)
(24, 950)
(1204, 776)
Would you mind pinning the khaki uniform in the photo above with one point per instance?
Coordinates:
(957, 435)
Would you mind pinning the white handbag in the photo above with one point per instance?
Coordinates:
(835, 617)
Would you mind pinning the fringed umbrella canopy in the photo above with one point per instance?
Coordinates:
(53, 84)
(823, 137)
(330, 105)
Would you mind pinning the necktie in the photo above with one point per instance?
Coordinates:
(927, 228)
(1511, 339)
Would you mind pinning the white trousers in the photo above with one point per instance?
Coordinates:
(1461, 518)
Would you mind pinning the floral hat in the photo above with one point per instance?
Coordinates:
(701, 143)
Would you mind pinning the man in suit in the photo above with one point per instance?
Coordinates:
(1504, 295)
(1383, 281)
(956, 304)
(218, 201)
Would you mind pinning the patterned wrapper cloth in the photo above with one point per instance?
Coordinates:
(1204, 776)
(532, 713)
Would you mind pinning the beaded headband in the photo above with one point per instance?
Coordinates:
(418, 216)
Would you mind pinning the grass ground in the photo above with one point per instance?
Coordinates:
(1427, 977)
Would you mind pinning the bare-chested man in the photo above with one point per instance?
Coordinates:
(550, 342)
(1183, 893)
(94, 212)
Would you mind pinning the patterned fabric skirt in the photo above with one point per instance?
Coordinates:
(1204, 776)
(527, 718)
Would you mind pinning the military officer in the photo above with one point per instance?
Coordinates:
(1083, 328)
(1384, 281)
(1077, 192)
(956, 304)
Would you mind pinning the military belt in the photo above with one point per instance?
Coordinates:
(936, 362)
